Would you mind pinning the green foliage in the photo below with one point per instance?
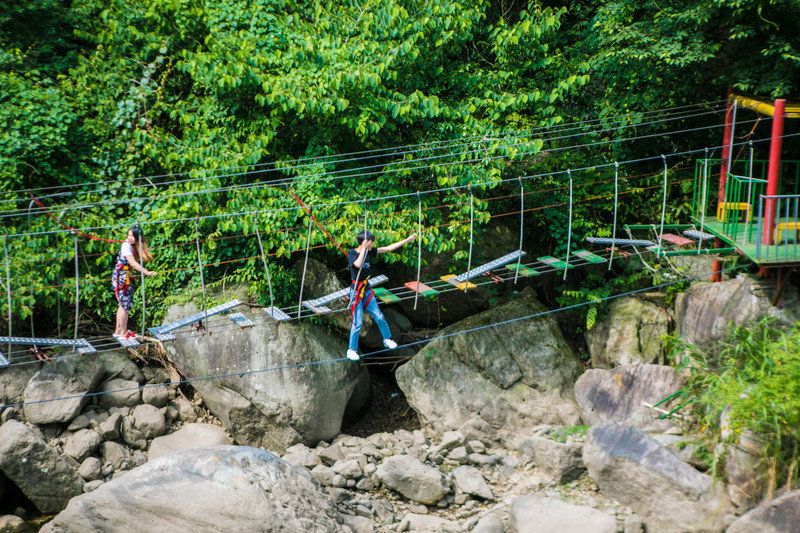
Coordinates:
(561, 434)
(754, 378)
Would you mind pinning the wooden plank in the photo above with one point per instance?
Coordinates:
(421, 288)
(523, 270)
(553, 262)
(385, 296)
(589, 256)
(451, 279)
(676, 239)
(240, 320)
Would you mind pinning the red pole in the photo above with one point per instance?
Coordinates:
(317, 222)
(774, 172)
(726, 148)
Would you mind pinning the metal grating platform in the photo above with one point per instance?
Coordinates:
(500, 261)
(81, 345)
(3, 361)
(322, 300)
(586, 255)
(461, 285)
(126, 342)
(163, 333)
(276, 314)
(240, 320)
(320, 310)
(699, 235)
(609, 240)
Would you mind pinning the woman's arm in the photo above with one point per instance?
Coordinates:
(135, 264)
(394, 246)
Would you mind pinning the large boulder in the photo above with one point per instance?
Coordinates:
(635, 470)
(13, 380)
(56, 394)
(780, 515)
(42, 475)
(189, 436)
(705, 311)
(218, 488)
(620, 394)
(561, 460)
(493, 383)
(631, 332)
(535, 514)
(284, 382)
(118, 365)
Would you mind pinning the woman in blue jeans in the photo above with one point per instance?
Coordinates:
(361, 294)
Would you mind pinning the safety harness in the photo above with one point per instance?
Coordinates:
(361, 294)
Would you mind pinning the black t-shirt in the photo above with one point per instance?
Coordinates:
(352, 255)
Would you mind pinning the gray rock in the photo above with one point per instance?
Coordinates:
(150, 420)
(533, 513)
(13, 380)
(633, 524)
(110, 427)
(469, 480)
(705, 311)
(492, 384)
(157, 395)
(117, 455)
(79, 422)
(780, 515)
(270, 409)
(36, 468)
(412, 479)
(349, 469)
(562, 461)
(630, 333)
(185, 409)
(82, 444)
(458, 454)
(450, 440)
(131, 435)
(481, 459)
(92, 485)
(218, 488)
(330, 455)
(13, 524)
(365, 484)
(91, 469)
(424, 522)
(120, 393)
(118, 365)
(476, 446)
(359, 524)
(491, 522)
(323, 474)
(630, 467)
(69, 378)
(189, 436)
(618, 394)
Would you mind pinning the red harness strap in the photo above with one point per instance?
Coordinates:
(361, 294)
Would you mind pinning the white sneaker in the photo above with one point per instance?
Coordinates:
(389, 343)
(353, 355)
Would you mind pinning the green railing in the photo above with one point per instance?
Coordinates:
(747, 181)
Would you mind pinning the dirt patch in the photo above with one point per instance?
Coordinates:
(389, 410)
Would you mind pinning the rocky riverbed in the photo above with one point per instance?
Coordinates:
(513, 435)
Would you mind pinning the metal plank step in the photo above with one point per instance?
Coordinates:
(163, 330)
(523, 270)
(553, 262)
(451, 279)
(699, 235)
(421, 288)
(385, 296)
(613, 241)
(126, 342)
(276, 314)
(240, 320)
(320, 310)
(322, 300)
(589, 256)
(81, 345)
(3, 361)
(500, 261)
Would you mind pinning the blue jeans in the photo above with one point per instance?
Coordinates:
(358, 318)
